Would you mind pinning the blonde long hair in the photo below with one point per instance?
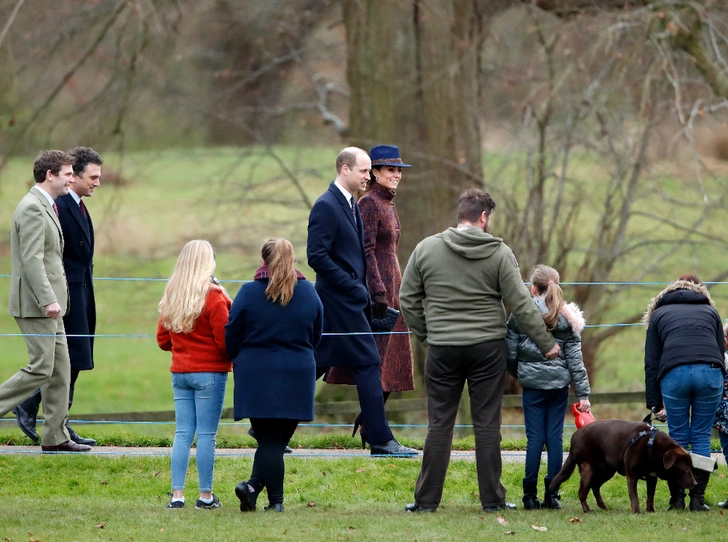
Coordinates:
(546, 280)
(281, 261)
(185, 294)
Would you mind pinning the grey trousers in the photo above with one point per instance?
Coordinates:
(447, 368)
(49, 368)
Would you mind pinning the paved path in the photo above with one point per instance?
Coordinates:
(517, 456)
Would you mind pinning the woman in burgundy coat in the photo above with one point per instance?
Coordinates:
(381, 237)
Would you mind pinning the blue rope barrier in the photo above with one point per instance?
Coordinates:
(564, 283)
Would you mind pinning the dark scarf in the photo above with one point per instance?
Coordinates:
(262, 273)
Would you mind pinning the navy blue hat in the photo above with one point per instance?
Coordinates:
(386, 155)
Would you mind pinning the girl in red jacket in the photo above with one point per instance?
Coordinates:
(192, 317)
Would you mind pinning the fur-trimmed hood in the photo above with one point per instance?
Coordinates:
(677, 285)
(571, 312)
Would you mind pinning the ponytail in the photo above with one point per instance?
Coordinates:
(280, 259)
(546, 281)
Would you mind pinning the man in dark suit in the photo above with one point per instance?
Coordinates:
(78, 252)
(38, 299)
(335, 252)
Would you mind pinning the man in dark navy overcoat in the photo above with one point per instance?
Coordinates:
(335, 252)
(78, 253)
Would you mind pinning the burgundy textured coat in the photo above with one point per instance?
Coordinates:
(381, 237)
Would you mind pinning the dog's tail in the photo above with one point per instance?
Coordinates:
(565, 473)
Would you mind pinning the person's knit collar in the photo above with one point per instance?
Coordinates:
(262, 273)
(382, 191)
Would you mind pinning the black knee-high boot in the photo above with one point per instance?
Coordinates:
(677, 496)
(697, 494)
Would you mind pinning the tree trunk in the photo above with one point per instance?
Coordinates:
(412, 71)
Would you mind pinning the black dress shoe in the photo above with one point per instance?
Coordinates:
(26, 422)
(414, 507)
(68, 446)
(392, 447)
(278, 507)
(247, 497)
(500, 507)
(78, 439)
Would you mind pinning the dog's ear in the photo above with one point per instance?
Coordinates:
(668, 460)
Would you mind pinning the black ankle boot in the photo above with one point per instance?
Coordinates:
(677, 496)
(551, 499)
(530, 496)
(697, 494)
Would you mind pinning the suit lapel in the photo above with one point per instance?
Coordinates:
(49, 209)
(359, 225)
(346, 209)
(77, 214)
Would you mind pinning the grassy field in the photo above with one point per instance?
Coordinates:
(151, 203)
(124, 498)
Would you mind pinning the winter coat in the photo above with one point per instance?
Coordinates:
(78, 261)
(202, 350)
(462, 277)
(381, 237)
(683, 327)
(335, 250)
(272, 348)
(533, 369)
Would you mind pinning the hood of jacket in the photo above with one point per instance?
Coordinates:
(471, 243)
(570, 315)
(694, 293)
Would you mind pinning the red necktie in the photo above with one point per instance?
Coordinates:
(83, 209)
(55, 208)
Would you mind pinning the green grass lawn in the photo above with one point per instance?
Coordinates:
(65, 498)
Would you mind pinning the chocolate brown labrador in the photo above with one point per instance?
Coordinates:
(633, 449)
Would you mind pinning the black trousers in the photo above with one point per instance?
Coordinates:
(447, 368)
(269, 468)
(371, 401)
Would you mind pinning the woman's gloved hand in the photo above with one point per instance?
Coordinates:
(380, 304)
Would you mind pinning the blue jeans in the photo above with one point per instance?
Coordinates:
(198, 399)
(543, 413)
(691, 394)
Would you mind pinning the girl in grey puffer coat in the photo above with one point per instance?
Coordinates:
(546, 382)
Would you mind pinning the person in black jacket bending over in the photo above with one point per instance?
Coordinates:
(684, 371)
(78, 256)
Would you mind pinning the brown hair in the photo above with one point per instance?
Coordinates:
(84, 156)
(281, 261)
(546, 280)
(50, 160)
(349, 157)
(472, 204)
(690, 278)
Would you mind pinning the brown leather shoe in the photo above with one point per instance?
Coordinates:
(68, 446)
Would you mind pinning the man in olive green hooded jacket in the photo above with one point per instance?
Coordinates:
(452, 295)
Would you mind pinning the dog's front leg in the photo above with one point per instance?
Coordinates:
(651, 485)
(632, 490)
